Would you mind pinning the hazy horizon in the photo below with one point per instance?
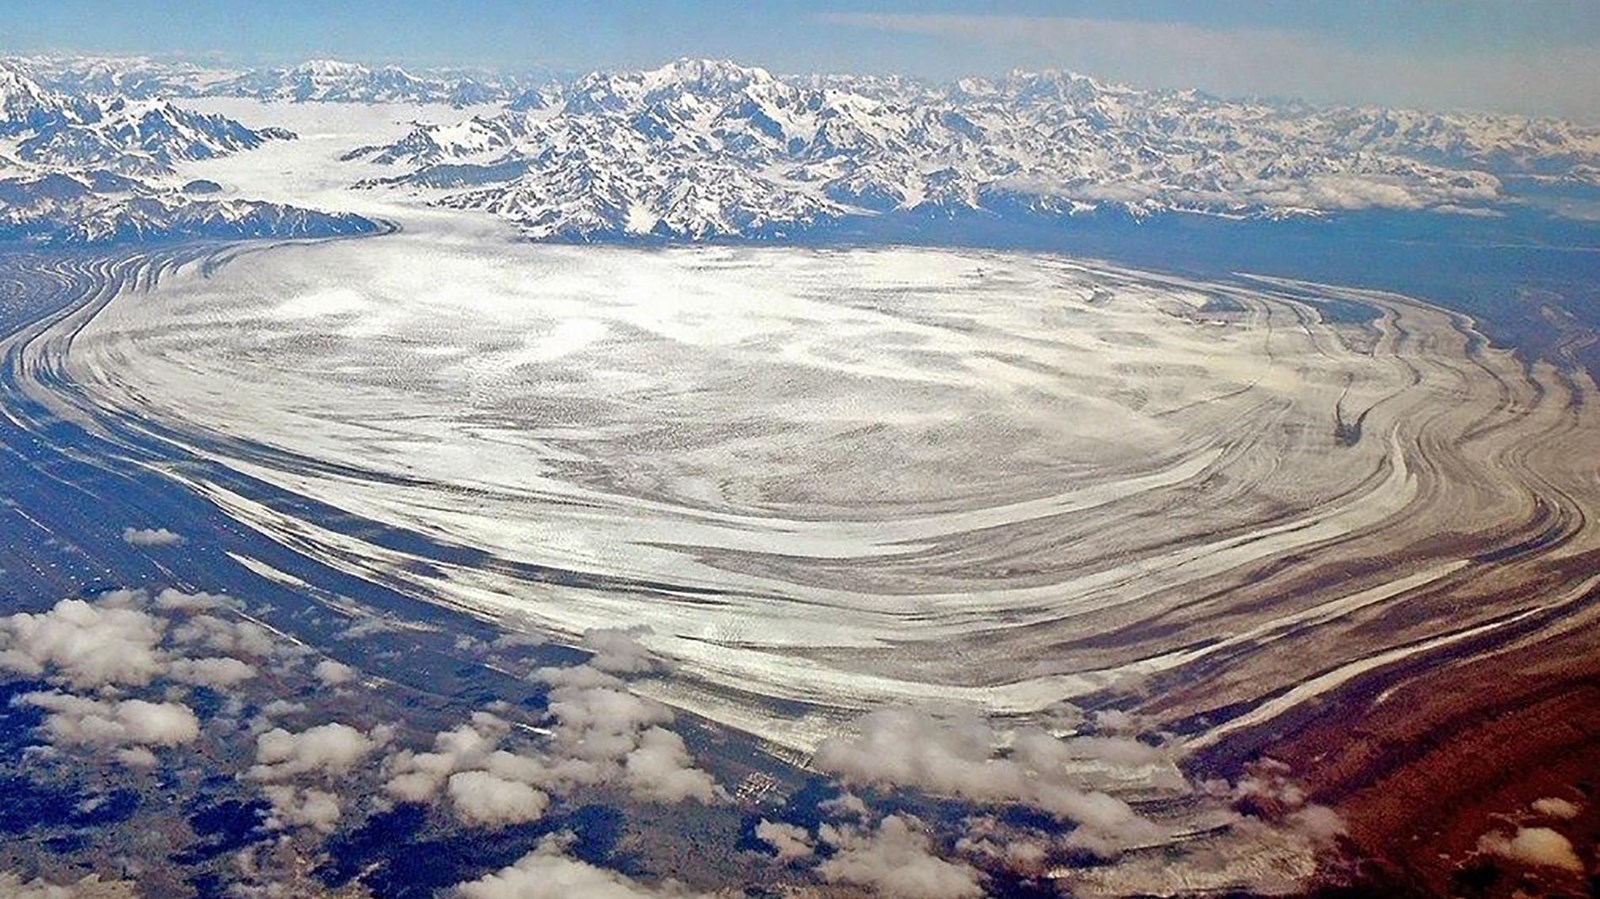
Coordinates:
(1539, 59)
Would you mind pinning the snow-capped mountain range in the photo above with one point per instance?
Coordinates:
(82, 169)
(133, 77)
(324, 80)
(703, 149)
(115, 133)
(312, 81)
(98, 207)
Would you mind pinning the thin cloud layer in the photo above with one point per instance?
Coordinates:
(222, 635)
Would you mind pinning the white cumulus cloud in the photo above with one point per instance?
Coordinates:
(896, 859)
(331, 749)
(77, 720)
(789, 841)
(959, 756)
(151, 537)
(1556, 807)
(84, 644)
(217, 672)
(333, 673)
(548, 873)
(486, 799)
(1533, 846)
(302, 807)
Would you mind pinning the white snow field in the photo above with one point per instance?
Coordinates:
(852, 477)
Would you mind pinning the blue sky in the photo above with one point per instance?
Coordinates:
(1539, 56)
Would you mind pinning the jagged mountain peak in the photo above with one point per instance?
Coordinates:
(330, 68)
(688, 77)
(712, 74)
(133, 136)
(25, 105)
(15, 86)
(1063, 80)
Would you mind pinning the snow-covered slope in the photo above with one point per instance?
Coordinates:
(704, 149)
(99, 207)
(27, 107)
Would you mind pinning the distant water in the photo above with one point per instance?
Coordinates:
(1532, 279)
